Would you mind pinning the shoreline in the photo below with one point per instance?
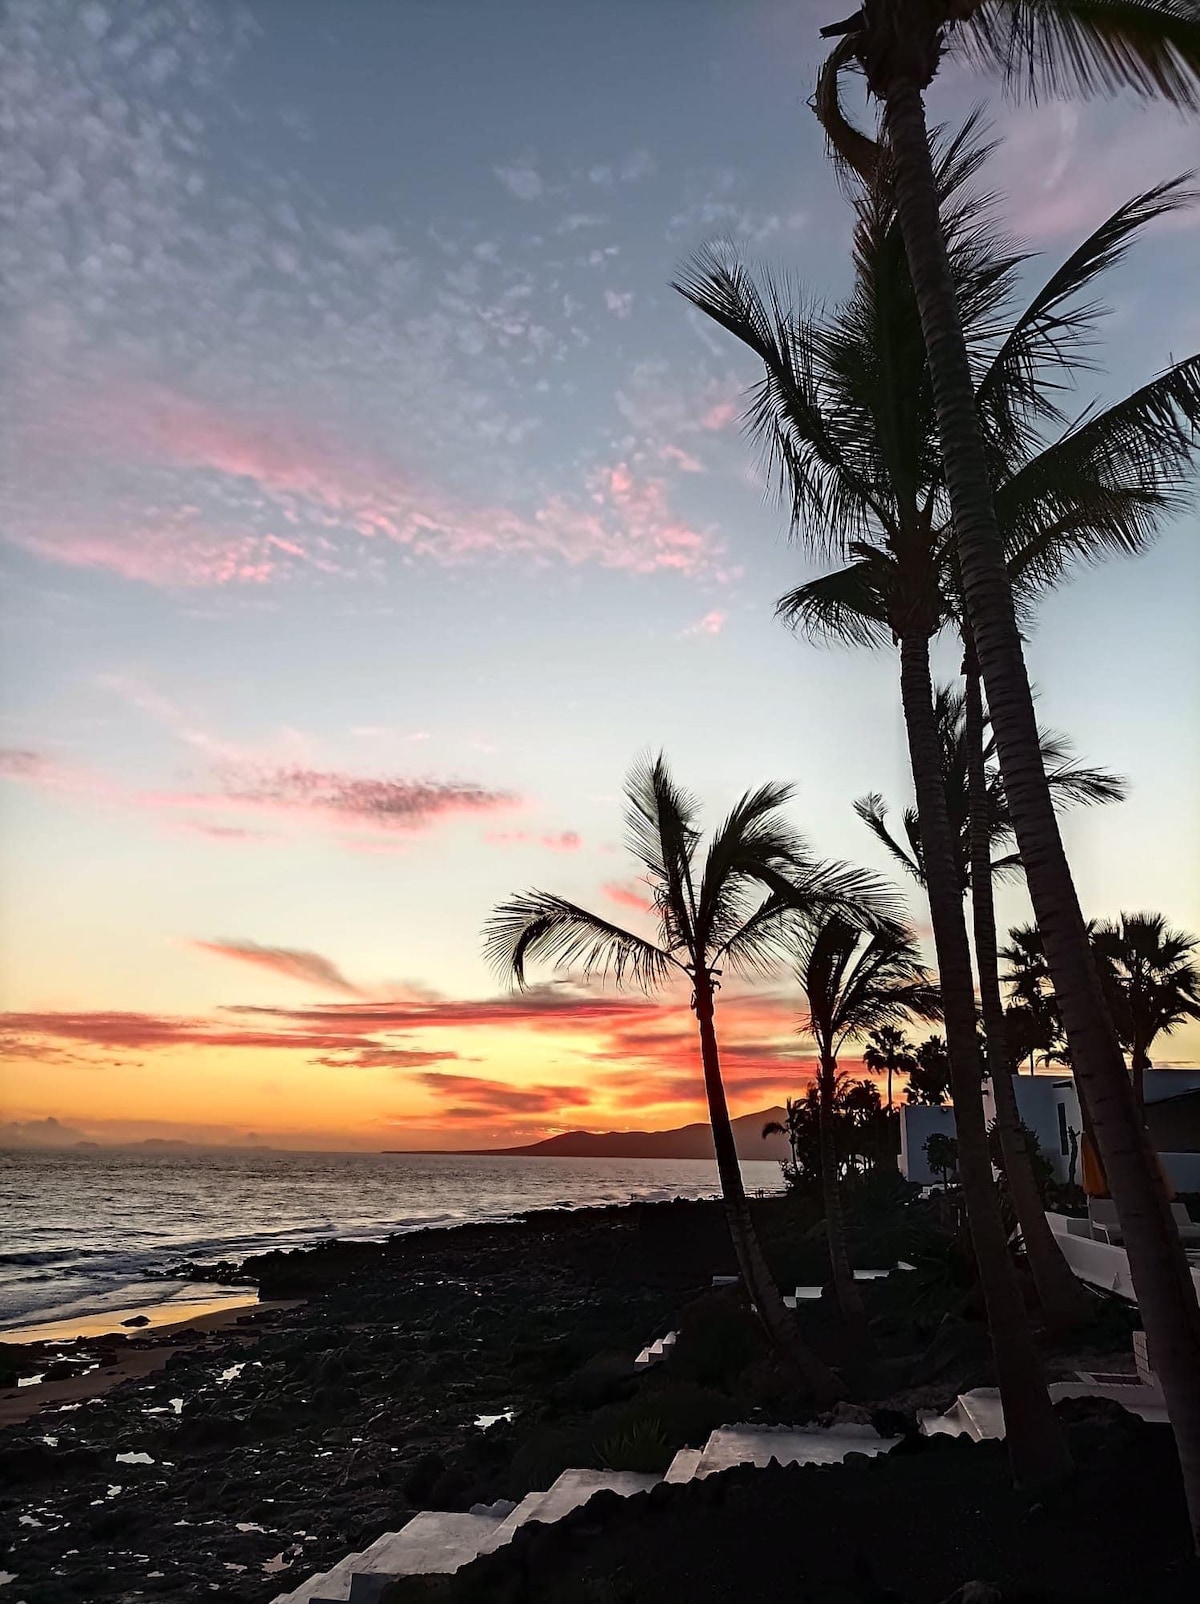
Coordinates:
(141, 1358)
(173, 1313)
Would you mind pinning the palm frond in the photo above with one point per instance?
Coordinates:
(761, 942)
(539, 925)
(1107, 483)
(662, 832)
(1074, 784)
(849, 605)
(754, 836)
(872, 810)
(1018, 390)
(809, 448)
(1064, 48)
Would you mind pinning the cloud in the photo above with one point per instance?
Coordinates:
(470, 1099)
(18, 764)
(628, 896)
(346, 512)
(522, 179)
(405, 1058)
(563, 841)
(48, 1132)
(384, 803)
(297, 964)
(619, 303)
(711, 624)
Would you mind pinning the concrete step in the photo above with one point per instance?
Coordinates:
(758, 1445)
(573, 1488)
(684, 1465)
(980, 1413)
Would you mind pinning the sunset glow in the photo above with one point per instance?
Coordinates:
(370, 502)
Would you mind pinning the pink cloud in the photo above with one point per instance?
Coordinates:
(719, 416)
(335, 509)
(1064, 168)
(711, 624)
(628, 896)
(683, 460)
(564, 841)
(376, 803)
(295, 963)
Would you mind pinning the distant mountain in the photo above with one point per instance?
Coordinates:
(687, 1141)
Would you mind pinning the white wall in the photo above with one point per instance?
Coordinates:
(917, 1125)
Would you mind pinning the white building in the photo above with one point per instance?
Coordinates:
(1049, 1106)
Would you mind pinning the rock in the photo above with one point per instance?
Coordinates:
(137, 1320)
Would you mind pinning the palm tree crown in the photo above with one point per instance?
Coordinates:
(1151, 978)
(1070, 782)
(845, 417)
(732, 908)
(857, 981)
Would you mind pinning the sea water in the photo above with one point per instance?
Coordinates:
(82, 1231)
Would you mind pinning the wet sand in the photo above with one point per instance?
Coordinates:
(18, 1404)
(159, 1317)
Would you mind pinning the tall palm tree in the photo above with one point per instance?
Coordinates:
(1151, 980)
(732, 910)
(1071, 784)
(856, 981)
(888, 1050)
(846, 415)
(981, 821)
(929, 1078)
(1151, 47)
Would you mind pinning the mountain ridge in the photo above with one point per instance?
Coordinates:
(684, 1141)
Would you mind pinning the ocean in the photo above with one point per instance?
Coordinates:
(82, 1232)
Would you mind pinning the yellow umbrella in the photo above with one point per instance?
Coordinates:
(1093, 1178)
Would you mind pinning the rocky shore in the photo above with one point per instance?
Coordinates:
(458, 1366)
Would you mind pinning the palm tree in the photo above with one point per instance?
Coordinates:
(790, 1126)
(732, 910)
(856, 981)
(929, 1076)
(846, 415)
(981, 822)
(1151, 981)
(1153, 48)
(1071, 783)
(889, 1050)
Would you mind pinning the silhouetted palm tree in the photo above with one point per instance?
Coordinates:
(1084, 46)
(856, 982)
(981, 823)
(1151, 980)
(929, 1077)
(733, 909)
(846, 414)
(889, 1050)
(1072, 784)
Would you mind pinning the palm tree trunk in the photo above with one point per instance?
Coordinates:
(1139, 1063)
(760, 1286)
(1037, 1448)
(1063, 1300)
(1165, 1292)
(845, 1287)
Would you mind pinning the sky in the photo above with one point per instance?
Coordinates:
(369, 502)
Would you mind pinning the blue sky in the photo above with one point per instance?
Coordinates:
(369, 500)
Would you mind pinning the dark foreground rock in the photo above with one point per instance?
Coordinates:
(936, 1519)
(261, 1455)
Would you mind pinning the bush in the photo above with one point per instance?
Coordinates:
(718, 1337)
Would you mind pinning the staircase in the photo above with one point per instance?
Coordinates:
(979, 1413)
(439, 1542)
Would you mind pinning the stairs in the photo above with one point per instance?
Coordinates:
(979, 1413)
(439, 1542)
